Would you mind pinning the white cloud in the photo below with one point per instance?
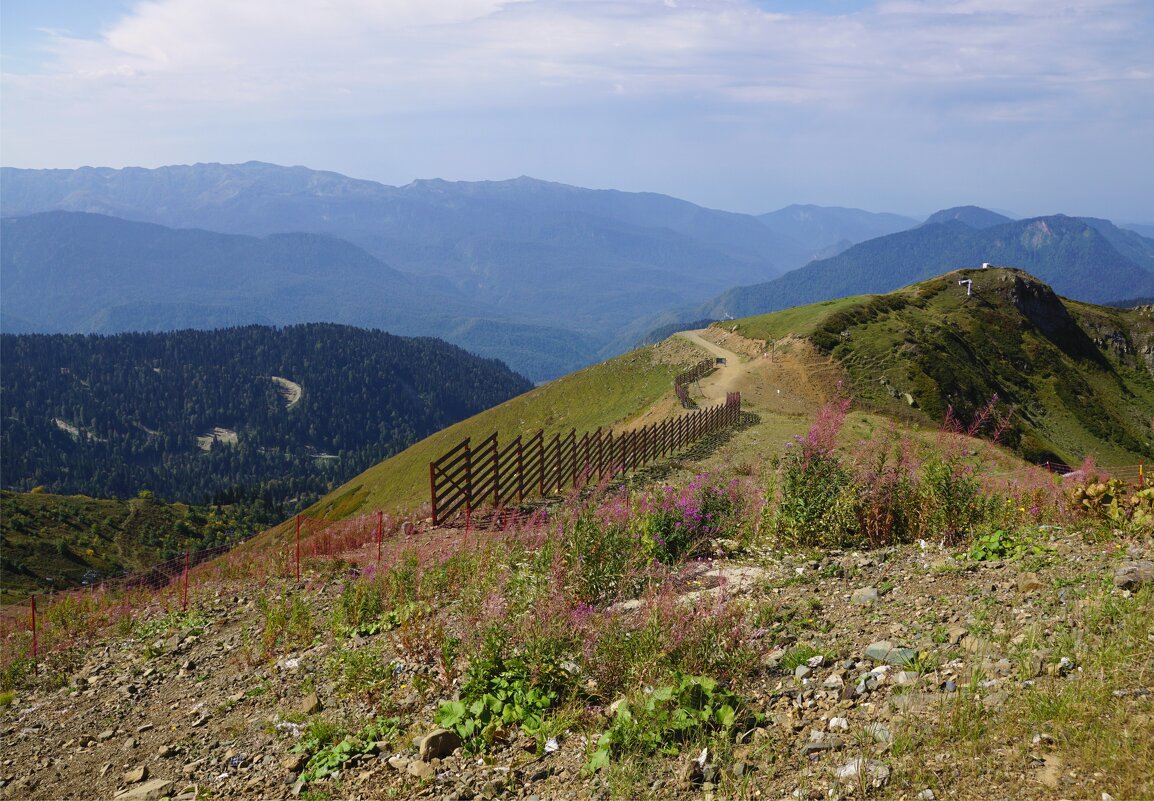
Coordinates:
(419, 54)
(949, 68)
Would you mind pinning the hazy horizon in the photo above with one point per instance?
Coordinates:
(896, 106)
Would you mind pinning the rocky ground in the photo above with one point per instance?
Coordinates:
(923, 684)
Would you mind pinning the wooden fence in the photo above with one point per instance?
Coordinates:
(469, 476)
(683, 380)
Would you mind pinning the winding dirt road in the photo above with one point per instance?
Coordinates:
(725, 378)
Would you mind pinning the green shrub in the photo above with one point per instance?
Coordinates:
(1004, 545)
(670, 716)
(360, 608)
(329, 755)
(677, 524)
(952, 498)
(502, 691)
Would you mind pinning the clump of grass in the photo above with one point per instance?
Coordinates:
(287, 624)
(1097, 719)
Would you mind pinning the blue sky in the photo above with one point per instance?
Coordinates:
(1031, 106)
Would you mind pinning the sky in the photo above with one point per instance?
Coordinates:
(1025, 106)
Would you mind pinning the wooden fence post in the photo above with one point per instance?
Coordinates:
(298, 556)
(468, 484)
(520, 470)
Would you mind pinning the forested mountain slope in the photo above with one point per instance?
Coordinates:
(274, 416)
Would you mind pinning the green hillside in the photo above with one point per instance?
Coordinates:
(52, 542)
(1077, 375)
(1074, 375)
(604, 395)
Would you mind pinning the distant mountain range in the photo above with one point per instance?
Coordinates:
(545, 276)
(827, 230)
(1086, 259)
(542, 275)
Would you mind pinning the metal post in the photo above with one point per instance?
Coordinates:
(184, 593)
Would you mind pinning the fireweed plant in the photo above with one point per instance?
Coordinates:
(891, 489)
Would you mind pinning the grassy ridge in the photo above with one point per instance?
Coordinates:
(798, 321)
(1073, 372)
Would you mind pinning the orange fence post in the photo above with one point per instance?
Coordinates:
(184, 591)
(35, 662)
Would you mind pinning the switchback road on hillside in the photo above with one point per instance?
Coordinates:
(724, 379)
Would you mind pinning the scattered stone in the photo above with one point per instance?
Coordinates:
(166, 751)
(926, 795)
(294, 762)
(399, 763)
(976, 645)
(149, 791)
(955, 634)
(825, 743)
(310, 705)
(838, 724)
(802, 672)
(1050, 773)
(1029, 583)
(106, 735)
(912, 702)
(833, 682)
(885, 652)
(136, 775)
(879, 732)
(1132, 575)
(906, 678)
(438, 744)
(858, 768)
(994, 699)
(422, 770)
(867, 596)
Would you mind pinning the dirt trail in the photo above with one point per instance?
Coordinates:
(791, 379)
(725, 377)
